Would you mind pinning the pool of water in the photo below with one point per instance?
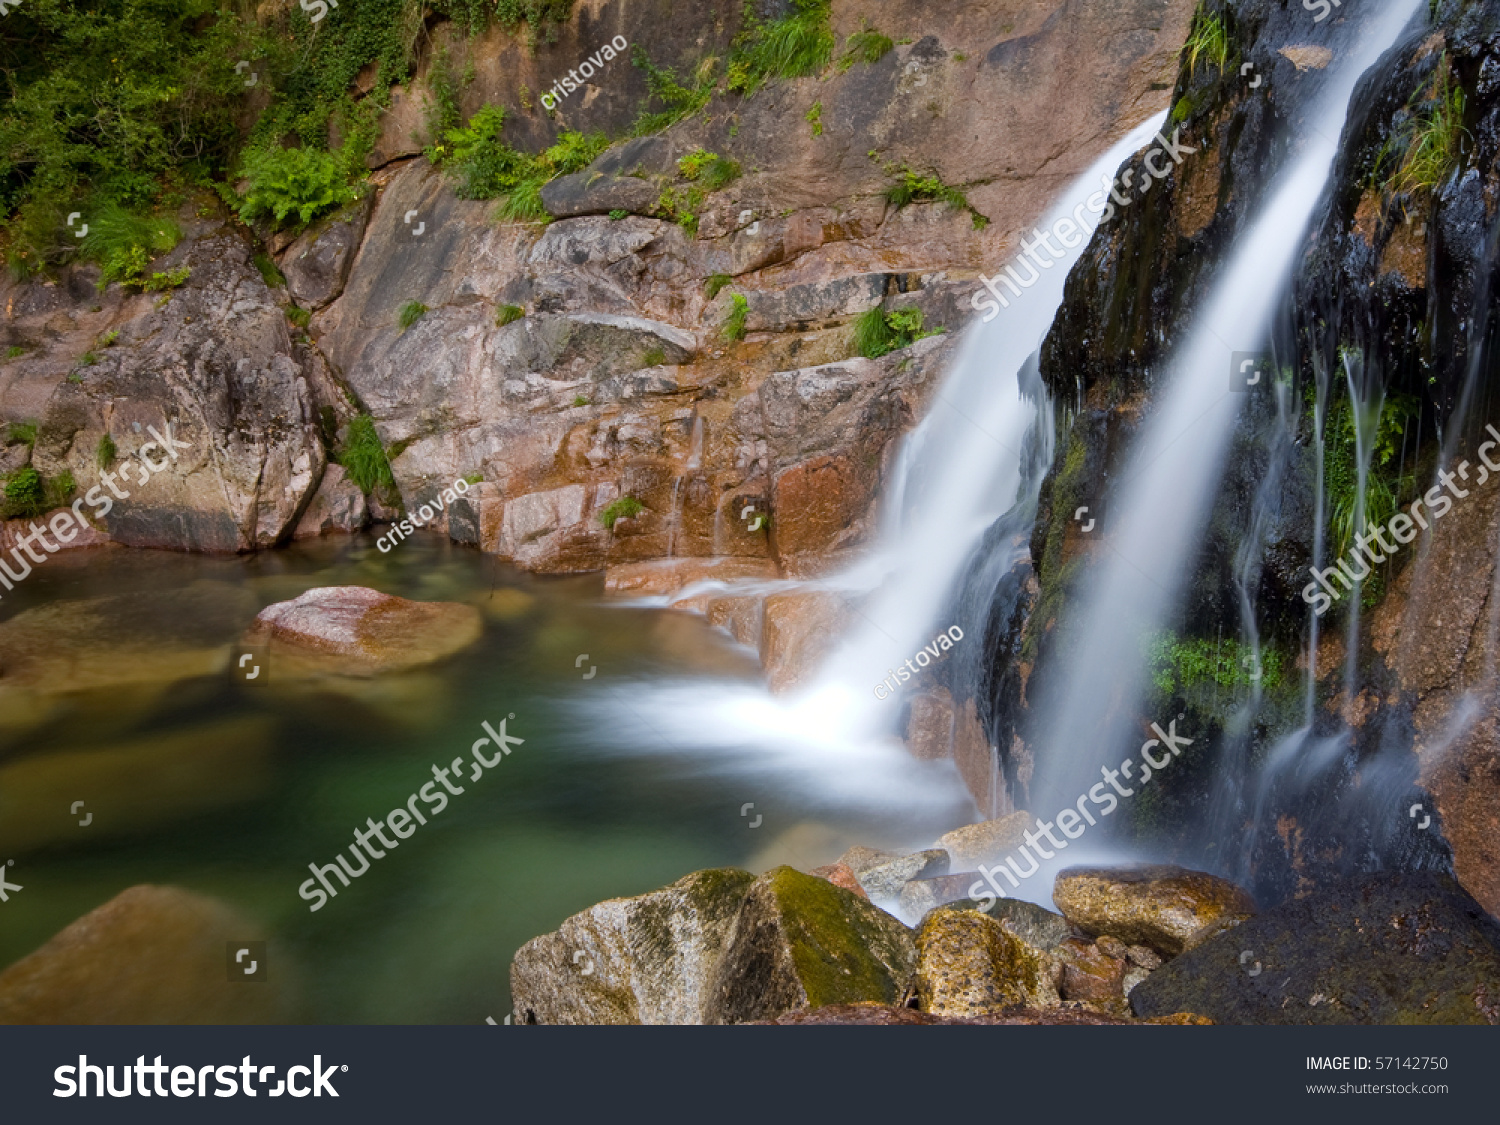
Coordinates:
(117, 688)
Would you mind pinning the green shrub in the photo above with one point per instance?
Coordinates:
(878, 333)
(542, 17)
(24, 493)
(508, 314)
(364, 458)
(691, 166)
(410, 313)
(680, 205)
(798, 44)
(486, 167)
(734, 323)
(290, 186)
(716, 282)
(865, 46)
(106, 452)
(626, 507)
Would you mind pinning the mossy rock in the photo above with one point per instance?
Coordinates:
(1388, 949)
(968, 964)
(801, 942)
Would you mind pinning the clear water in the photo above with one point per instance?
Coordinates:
(427, 934)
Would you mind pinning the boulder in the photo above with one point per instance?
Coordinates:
(642, 960)
(337, 506)
(669, 576)
(1170, 909)
(840, 876)
(801, 942)
(1034, 925)
(884, 880)
(150, 955)
(1386, 949)
(987, 842)
(351, 630)
(922, 895)
(317, 264)
(1090, 974)
(589, 193)
(797, 631)
(929, 727)
(969, 964)
(882, 1015)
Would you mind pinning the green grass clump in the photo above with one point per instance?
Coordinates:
(680, 205)
(14, 351)
(299, 316)
(1433, 138)
(1177, 665)
(580, 400)
(21, 433)
(158, 282)
(1208, 40)
(866, 46)
(679, 101)
(123, 242)
(912, 187)
(105, 454)
(410, 313)
(715, 284)
(815, 118)
(274, 278)
(617, 214)
(798, 44)
(364, 458)
(626, 507)
(878, 333)
(734, 324)
(1386, 487)
(508, 314)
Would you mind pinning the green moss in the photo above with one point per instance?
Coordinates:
(617, 214)
(814, 117)
(298, 316)
(1177, 665)
(508, 314)
(715, 284)
(273, 277)
(21, 433)
(14, 351)
(580, 400)
(866, 46)
(654, 356)
(410, 313)
(626, 507)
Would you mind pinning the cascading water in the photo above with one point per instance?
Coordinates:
(1160, 510)
(978, 455)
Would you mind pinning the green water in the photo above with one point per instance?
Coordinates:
(428, 933)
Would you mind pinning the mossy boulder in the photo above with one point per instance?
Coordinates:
(801, 942)
(1170, 909)
(968, 964)
(642, 960)
(1388, 949)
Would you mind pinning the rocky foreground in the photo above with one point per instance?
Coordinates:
(1151, 944)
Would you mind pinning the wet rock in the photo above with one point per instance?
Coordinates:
(1090, 974)
(1385, 949)
(337, 506)
(133, 785)
(642, 960)
(1171, 909)
(879, 1015)
(798, 630)
(1035, 925)
(801, 942)
(351, 630)
(150, 955)
(929, 726)
(922, 895)
(840, 876)
(884, 880)
(669, 576)
(987, 842)
(968, 965)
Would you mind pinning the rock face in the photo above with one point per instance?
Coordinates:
(801, 942)
(636, 960)
(337, 506)
(1167, 908)
(350, 630)
(968, 964)
(151, 955)
(1390, 949)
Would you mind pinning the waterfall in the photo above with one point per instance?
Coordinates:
(1162, 505)
(976, 458)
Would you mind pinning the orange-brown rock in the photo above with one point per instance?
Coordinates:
(840, 876)
(1171, 909)
(798, 630)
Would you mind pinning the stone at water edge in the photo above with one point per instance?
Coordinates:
(801, 942)
(150, 955)
(885, 880)
(969, 964)
(987, 842)
(1384, 949)
(920, 896)
(352, 630)
(642, 960)
(1170, 909)
(840, 876)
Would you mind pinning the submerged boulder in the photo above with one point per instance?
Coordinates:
(150, 955)
(1392, 948)
(351, 630)
(801, 942)
(641, 960)
(1171, 909)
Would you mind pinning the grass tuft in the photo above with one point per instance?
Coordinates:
(626, 507)
(734, 324)
(866, 46)
(410, 313)
(364, 458)
(715, 284)
(1208, 40)
(508, 314)
(878, 333)
(106, 451)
